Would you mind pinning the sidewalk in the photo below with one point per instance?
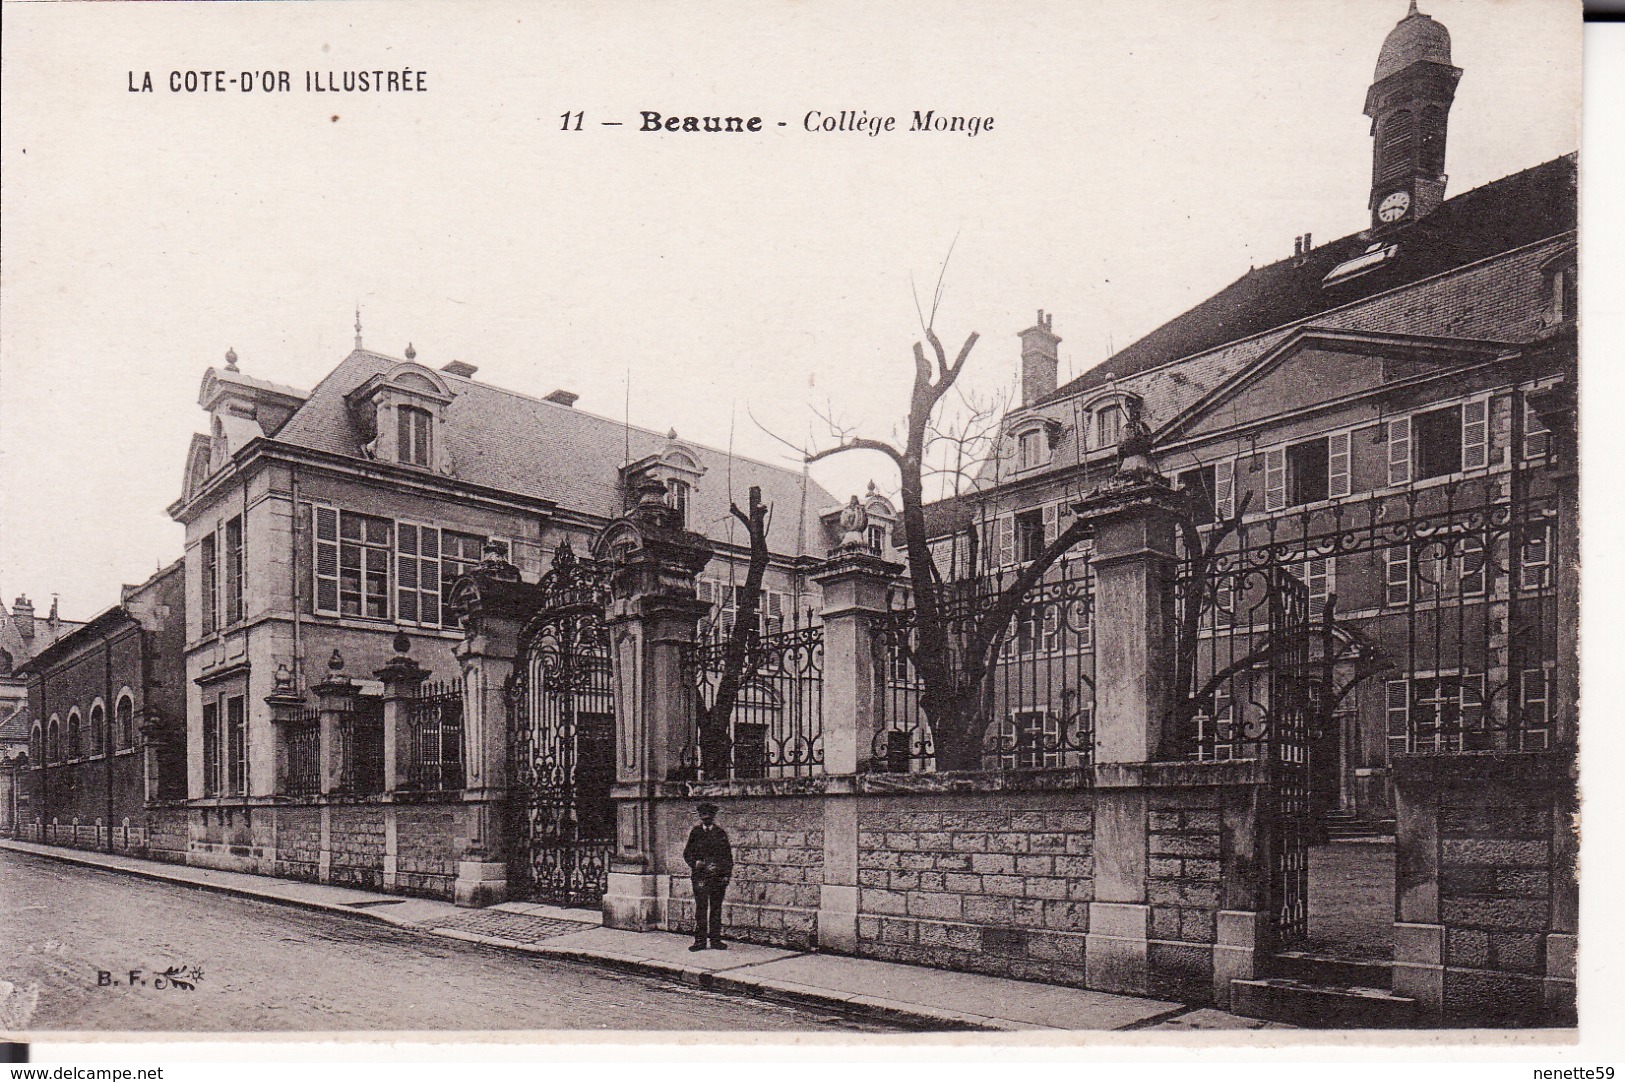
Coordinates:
(910, 995)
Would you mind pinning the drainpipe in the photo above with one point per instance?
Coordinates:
(107, 732)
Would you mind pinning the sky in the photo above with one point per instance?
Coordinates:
(733, 286)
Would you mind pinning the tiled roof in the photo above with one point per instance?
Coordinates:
(512, 442)
(1505, 214)
(14, 729)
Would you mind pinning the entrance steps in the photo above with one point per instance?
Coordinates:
(1344, 827)
(1325, 992)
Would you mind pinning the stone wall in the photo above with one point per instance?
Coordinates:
(778, 868)
(1487, 887)
(993, 882)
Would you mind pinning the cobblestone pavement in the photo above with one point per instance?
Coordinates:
(518, 927)
(274, 968)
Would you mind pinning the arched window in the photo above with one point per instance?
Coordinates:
(53, 740)
(76, 737)
(98, 729)
(125, 719)
(36, 749)
(1108, 426)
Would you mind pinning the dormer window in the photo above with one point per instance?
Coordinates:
(1030, 449)
(679, 490)
(416, 436)
(1108, 426)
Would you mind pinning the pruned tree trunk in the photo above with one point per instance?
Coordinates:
(716, 744)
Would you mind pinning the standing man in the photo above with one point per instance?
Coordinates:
(711, 863)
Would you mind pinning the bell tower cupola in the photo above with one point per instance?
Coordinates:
(1409, 106)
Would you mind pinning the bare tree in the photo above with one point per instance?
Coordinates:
(954, 653)
(739, 659)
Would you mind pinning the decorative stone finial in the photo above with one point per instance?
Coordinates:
(402, 643)
(335, 664)
(874, 490)
(283, 678)
(671, 434)
(231, 359)
(358, 325)
(854, 521)
(651, 492)
(411, 354)
(494, 552)
(1134, 461)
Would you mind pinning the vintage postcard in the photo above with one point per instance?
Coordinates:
(818, 520)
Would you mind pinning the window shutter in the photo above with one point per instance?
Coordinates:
(1536, 560)
(1399, 716)
(1338, 469)
(1399, 451)
(705, 591)
(1399, 576)
(1007, 539)
(1475, 433)
(1224, 489)
(1052, 522)
(325, 562)
(1275, 479)
(1537, 438)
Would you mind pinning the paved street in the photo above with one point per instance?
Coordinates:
(268, 967)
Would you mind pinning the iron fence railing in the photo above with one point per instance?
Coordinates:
(1433, 619)
(776, 728)
(303, 763)
(360, 735)
(1035, 706)
(434, 735)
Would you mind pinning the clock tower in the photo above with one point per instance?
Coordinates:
(1409, 106)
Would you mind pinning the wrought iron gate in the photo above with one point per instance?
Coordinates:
(1289, 760)
(561, 740)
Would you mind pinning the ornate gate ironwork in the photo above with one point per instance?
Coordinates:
(1289, 761)
(562, 738)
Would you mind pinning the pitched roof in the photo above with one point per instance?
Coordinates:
(512, 442)
(1509, 213)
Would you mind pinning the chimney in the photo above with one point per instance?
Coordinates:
(562, 397)
(22, 614)
(1040, 362)
(460, 368)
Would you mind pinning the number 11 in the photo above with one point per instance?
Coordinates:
(567, 122)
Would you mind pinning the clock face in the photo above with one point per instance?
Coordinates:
(1394, 206)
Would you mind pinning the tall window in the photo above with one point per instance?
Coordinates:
(53, 740)
(209, 583)
(416, 436)
(236, 746)
(234, 570)
(1030, 535)
(98, 730)
(36, 745)
(417, 573)
(364, 551)
(211, 749)
(1198, 484)
(1436, 436)
(125, 718)
(1306, 465)
(76, 738)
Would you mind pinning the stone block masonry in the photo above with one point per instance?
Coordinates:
(1487, 887)
(996, 883)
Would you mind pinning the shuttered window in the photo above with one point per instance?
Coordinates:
(1475, 434)
(1338, 469)
(1399, 451)
(209, 582)
(1537, 438)
(1399, 576)
(1224, 489)
(1275, 479)
(1398, 699)
(1006, 526)
(417, 574)
(325, 538)
(234, 571)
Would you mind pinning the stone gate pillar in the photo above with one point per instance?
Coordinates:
(854, 582)
(491, 602)
(1135, 517)
(652, 623)
(402, 678)
(335, 700)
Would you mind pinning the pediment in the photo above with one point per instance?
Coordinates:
(1311, 368)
